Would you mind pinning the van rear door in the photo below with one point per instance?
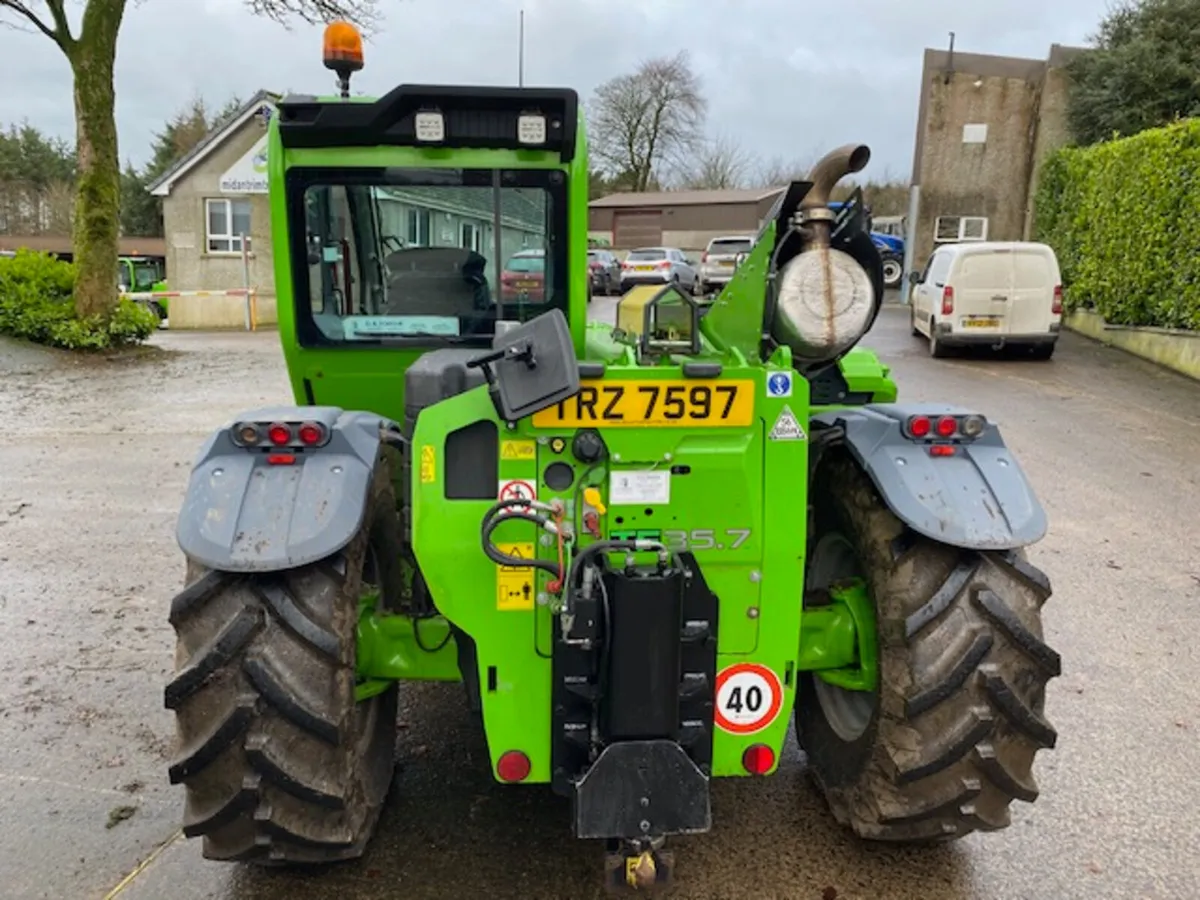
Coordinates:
(983, 289)
(1032, 299)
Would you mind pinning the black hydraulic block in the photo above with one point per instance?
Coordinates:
(641, 697)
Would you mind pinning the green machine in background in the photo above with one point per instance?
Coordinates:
(645, 551)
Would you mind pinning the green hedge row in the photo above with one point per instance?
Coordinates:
(1124, 219)
(36, 303)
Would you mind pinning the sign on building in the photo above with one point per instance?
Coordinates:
(249, 174)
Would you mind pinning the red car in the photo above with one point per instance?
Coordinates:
(524, 278)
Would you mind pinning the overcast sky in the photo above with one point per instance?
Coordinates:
(786, 78)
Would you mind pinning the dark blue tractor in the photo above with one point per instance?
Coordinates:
(891, 248)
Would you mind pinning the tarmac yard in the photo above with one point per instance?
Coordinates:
(94, 458)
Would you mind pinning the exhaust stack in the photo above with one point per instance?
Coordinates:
(826, 300)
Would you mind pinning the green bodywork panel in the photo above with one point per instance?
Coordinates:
(738, 498)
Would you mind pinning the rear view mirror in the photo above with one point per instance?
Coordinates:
(531, 367)
(914, 277)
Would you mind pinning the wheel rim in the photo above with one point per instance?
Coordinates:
(848, 713)
(891, 271)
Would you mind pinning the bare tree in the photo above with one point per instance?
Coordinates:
(91, 54)
(719, 164)
(777, 171)
(647, 120)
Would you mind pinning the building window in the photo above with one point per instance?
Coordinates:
(468, 236)
(951, 229)
(419, 227)
(227, 221)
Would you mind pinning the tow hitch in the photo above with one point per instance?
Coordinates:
(638, 865)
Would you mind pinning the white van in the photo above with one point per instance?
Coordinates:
(988, 294)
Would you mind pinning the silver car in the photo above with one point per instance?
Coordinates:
(720, 260)
(658, 265)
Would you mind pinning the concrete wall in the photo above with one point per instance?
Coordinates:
(212, 313)
(1052, 131)
(1023, 104)
(190, 267)
(1170, 348)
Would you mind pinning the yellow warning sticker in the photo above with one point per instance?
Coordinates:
(524, 451)
(515, 584)
(428, 465)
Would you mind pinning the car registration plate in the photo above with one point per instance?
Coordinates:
(613, 404)
(982, 322)
(644, 268)
(525, 285)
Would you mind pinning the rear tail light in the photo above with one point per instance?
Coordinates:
(665, 264)
(1056, 306)
(311, 434)
(758, 759)
(944, 428)
(919, 426)
(513, 766)
(947, 301)
(280, 434)
(703, 257)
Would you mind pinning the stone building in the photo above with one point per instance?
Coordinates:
(985, 126)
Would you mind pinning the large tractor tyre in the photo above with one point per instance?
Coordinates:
(948, 739)
(279, 763)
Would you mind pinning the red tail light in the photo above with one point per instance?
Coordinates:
(279, 434)
(1056, 307)
(513, 766)
(947, 301)
(946, 426)
(665, 264)
(704, 257)
(920, 426)
(758, 759)
(311, 434)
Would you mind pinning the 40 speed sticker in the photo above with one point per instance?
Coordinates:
(749, 697)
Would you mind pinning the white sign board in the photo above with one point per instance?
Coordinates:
(975, 134)
(249, 174)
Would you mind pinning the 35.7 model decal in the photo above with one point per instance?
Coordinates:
(681, 541)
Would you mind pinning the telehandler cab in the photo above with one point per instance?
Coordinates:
(643, 549)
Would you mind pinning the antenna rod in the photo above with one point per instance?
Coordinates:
(521, 54)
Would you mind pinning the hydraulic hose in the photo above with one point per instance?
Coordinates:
(491, 522)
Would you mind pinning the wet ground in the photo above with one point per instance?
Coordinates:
(93, 462)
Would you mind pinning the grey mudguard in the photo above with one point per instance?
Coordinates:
(242, 514)
(979, 498)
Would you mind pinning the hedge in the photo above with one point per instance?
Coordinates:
(1124, 219)
(37, 303)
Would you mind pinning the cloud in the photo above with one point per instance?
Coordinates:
(786, 78)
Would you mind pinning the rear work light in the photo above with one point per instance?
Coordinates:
(1056, 306)
(268, 436)
(947, 301)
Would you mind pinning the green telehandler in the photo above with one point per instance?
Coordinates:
(644, 549)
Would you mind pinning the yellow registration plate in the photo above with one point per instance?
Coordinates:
(613, 404)
(644, 268)
(982, 322)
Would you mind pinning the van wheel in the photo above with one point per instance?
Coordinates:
(937, 349)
